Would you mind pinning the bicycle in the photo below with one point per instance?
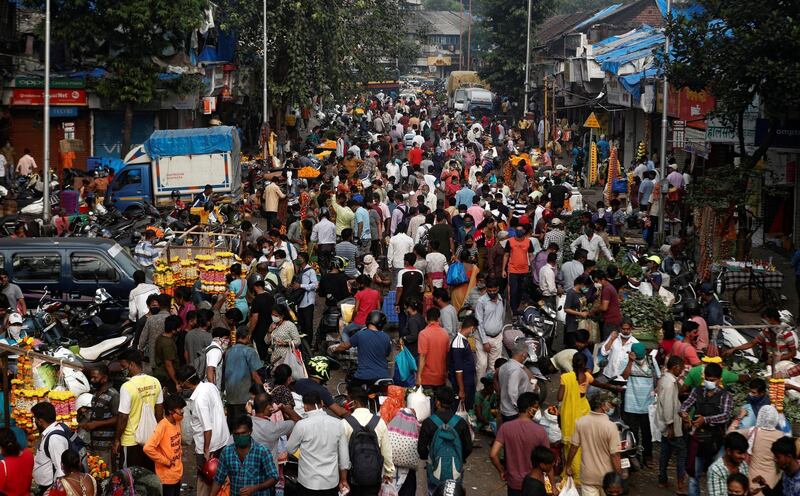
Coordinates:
(754, 295)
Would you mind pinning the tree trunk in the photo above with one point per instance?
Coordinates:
(127, 127)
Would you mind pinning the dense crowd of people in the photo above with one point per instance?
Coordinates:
(425, 241)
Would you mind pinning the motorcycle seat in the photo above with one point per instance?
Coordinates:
(94, 352)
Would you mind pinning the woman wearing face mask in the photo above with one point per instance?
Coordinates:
(760, 439)
(574, 405)
(283, 333)
(162, 449)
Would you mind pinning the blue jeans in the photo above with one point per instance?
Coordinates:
(676, 445)
(701, 464)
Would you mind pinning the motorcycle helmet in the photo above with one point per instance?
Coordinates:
(318, 367)
(338, 263)
(691, 307)
(376, 318)
(209, 470)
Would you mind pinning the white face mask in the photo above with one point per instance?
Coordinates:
(276, 319)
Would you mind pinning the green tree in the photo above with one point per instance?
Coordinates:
(738, 50)
(318, 47)
(504, 26)
(124, 37)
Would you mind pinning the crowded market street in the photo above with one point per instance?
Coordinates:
(375, 249)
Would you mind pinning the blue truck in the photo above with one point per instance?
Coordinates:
(182, 160)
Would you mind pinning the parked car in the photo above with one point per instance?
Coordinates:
(71, 269)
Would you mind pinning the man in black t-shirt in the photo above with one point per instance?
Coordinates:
(558, 193)
(318, 375)
(260, 317)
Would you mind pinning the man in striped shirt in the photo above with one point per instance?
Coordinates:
(777, 343)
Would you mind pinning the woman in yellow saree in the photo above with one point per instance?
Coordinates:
(574, 405)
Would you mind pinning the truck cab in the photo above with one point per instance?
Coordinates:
(132, 185)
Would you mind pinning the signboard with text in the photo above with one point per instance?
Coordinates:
(55, 82)
(35, 97)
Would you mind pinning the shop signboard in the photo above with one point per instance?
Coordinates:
(35, 97)
(55, 82)
(63, 111)
(616, 93)
(694, 105)
(718, 132)
(786, 136)
(678, 134)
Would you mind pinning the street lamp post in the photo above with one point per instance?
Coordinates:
(664, 124)
(528, 60)
(265, 110)
(46, 168)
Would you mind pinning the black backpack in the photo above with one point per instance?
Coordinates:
(75, 443)
(365, 453)
(295, 295)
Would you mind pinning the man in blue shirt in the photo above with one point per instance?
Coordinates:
(712, 309)
(465, 195)
(248, 465)
(363, 234)
(582, 345)
(374, 348)
(646, 190)
(603, 148)
(461, 363)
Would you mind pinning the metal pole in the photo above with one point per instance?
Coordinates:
(528, 60)
(265, 110)
(663, 166)
(469, 38)
(46, 167)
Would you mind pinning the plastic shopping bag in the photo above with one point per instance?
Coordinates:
(464, 414)
(405, 366)
(388, 489)
(294, 359)
(569, 489)
(456, 275)
(420, 403)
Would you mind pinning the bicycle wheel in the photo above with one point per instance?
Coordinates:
(749, 298)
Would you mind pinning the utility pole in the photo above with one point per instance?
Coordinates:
(544, 117)
(469, 38)
(46, 168)
(664, 123)
(528, 60)
(265, 110)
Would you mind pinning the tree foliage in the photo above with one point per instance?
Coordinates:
(124, 37)
(739, 49)
(504, 26)
(318, 47)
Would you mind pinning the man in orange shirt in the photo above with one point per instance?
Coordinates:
(516, 265)
(432, 345)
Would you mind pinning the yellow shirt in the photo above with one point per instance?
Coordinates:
(344, 218)
(138, 391)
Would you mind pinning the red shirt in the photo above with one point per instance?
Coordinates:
(415, 156)
(519, 438)
(434, 342)
(368, 300)
(613, 314)
(16, 473)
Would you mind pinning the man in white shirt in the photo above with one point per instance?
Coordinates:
(572, 269)
(640, 170)
(414, 223)
(47, 460)
(616, 348)
(323, 235)
(207, 414)
(427, 192)
(399, 244)
(3, 164)
(26, 164)
(324, 453)
(675, 178)
(592, 244)
(393, 169)
(137, 298)
(547, 280)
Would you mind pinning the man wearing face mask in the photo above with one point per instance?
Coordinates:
(54, 442)
(712, 408)
(592, 244)
(574, 304)
(598, 439)
(103, 420)
(517, 265)
(617, 348)
(154, 327)
(209, 428)
(246, 464)
(490, 312)
(641, 375)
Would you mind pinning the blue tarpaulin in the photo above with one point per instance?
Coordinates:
(627, 48)
(631, 81)
(199, 141)
(598, 16)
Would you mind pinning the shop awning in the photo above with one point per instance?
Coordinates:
(631, 82)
